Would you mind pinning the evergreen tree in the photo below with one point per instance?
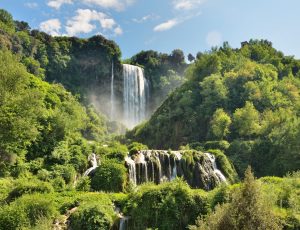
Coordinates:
(247, 211)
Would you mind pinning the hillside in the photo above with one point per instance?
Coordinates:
(64, 165)
(85, 66)
(248, 97)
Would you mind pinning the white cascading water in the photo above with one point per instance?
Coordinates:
(159, 165)
(219, 174)
(123, 223)
(112, 93)
(93, 159)
(135, 93)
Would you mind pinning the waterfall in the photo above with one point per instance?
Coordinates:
(131, 169)
(218, 173)
(93, 159)
(135, 93)
(112, 93)
(158, 166)
(123, 223)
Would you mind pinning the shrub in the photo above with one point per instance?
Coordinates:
(84, 184)
(171, 205)
(222, 145)
(109, 176)
(36, 206)
(92, 217)
(26, 212)
(58, 184)
(67, 172)
(25, 186)
(134, 147)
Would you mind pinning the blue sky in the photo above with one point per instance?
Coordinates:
(164, 25)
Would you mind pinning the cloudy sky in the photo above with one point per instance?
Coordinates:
(164, 25)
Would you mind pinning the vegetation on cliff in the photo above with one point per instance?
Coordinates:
(248, 97)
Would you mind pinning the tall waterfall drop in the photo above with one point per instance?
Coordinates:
(135, 92)
(112, 93)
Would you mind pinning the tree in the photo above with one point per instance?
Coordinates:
(246, 120)
(220, 124)
(214, 93)
(191, 57)
(177, 56)
(247, 211)
(6, 18)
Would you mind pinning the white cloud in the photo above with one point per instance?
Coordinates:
(83, 22)
(174, 22)
(58, 3)
(31, 5)
(214, 38)
(51, 26)
(166, 25)
(145, 18)
(110, 4)
(187, 4)
(118, 31)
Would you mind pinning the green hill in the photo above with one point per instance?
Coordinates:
(248, 97)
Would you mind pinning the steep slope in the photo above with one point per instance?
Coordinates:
(248, 97)
(41, 123)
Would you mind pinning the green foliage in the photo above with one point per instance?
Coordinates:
(83, 184)
(95, 211)
(220, 124)
(247, 210)
(222, 145)
(246, 120)
(167, 206)
(26, 212)
(20, 106)
(134, 147)
(6, 21)
(92, 217)
(248, 97)
(28, 186)
(110, 176)
(114, 150)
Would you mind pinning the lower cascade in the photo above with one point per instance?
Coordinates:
(93, 159)
(198, 169)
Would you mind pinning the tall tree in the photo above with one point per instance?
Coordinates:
(220, 124)
(247, 211)
(246, 120)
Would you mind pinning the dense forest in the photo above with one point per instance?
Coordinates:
(244, 101)
(64, 164)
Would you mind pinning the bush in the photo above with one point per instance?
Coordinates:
(222, 145)
(58, 184)
(25, 186)
(67, 172)
(26, 212)
(6, 185)
(170, 205)
(240, 153)
(13, 217)
(110, 176)
(93, 217)
(114, 150)
(36, 206)
(84, 184)
(134, 147)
